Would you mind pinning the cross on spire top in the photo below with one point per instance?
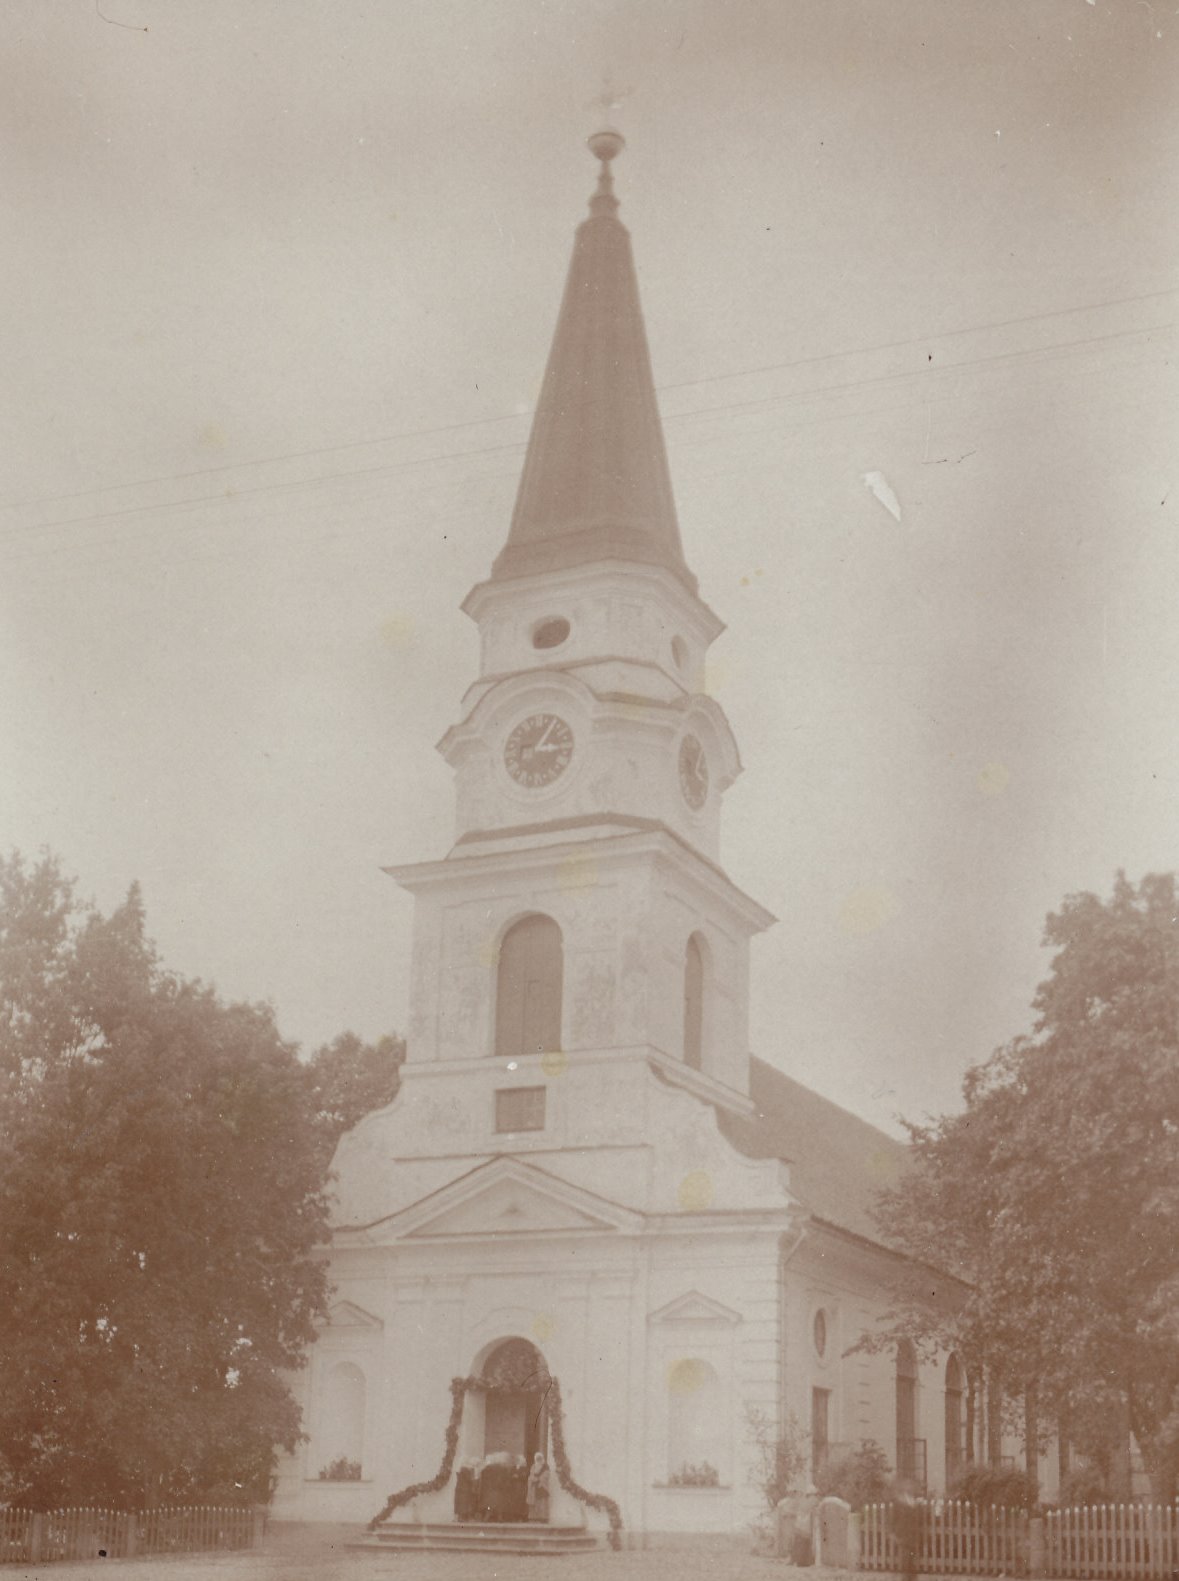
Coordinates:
(610, 98)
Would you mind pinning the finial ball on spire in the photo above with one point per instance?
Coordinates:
(606, 145)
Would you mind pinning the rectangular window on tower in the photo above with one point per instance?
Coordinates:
(519, 1109)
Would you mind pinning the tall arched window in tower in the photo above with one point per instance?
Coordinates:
(528, 988)
(694, 1003)
(955, 1445)
(910, 1449)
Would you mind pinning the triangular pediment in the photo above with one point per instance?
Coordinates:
(697, 1310)
(507, 1197)
(345, 1314)
(510, 1208)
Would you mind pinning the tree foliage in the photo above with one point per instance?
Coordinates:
(1056, 1189)
(860, 1476)
(161, 1204)
(781, 1461)
(349, 1078)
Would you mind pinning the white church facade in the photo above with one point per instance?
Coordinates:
(585, 1177)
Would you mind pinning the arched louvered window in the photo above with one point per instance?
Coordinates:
(528, 988)
(694, 1003)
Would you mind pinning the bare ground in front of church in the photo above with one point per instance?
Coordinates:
(317, 1553)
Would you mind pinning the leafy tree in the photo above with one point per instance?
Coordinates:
(1056, 1190)
(160, 1207)
(349, 1078)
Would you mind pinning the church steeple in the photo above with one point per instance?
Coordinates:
(596, 485)
(582, 907)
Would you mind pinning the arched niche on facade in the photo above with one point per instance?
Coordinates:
(342, 1416)
(696, 1416)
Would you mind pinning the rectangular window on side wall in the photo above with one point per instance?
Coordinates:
(519, 1109)
(820, 1428)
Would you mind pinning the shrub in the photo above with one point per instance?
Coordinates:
(779, 1464)
(1084, 1486)
(691, 1476)
(1014, 1490)
(862, 1477)
(341, 1470)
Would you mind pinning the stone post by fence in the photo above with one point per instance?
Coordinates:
(131, 1535)
(795, 1523)
(259, 1530)
(37, 1540)
(1036, 1546)
(831, 1529)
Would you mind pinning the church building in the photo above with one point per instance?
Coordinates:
(591, 1225)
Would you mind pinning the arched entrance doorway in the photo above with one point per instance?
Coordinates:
(515, 1419)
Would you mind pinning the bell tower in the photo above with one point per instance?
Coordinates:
(581, 918)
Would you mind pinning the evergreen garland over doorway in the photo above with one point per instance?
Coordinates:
(459, 1389)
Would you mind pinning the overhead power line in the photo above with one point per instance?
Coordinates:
(705, 411)
(505, 417)
(144, 532)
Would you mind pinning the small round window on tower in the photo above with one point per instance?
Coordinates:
(550, 633)
(679, 652)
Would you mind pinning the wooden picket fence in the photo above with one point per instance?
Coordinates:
(28, 1537)
(1112, 1540)
(16, 1528)
(955, 1539)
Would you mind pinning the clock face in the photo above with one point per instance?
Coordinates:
(693, 772)
(538, 750)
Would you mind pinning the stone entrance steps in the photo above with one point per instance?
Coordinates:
(498, 1537)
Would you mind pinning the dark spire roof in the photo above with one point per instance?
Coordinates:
(595, 484)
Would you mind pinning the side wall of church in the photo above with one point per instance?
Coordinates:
(835, 1292)
(849, 1286)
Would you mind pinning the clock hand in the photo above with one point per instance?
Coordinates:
(548, 730)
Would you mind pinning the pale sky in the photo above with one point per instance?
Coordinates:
(281, 277)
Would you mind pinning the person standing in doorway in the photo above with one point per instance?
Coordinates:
(538, 1489)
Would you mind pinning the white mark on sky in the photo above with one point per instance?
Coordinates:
(879, 485)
